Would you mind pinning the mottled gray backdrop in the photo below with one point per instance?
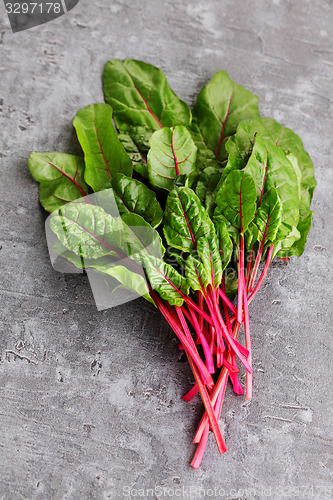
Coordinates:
(90, 401)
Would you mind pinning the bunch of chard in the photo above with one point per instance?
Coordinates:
(206, 199)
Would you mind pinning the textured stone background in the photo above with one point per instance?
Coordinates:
(90, 401)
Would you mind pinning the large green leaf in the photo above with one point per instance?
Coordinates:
(282, 175)
(88, 231)
(288, 141)
(104, 154)
(91, 234)
(165, 280)
(185, 220)
(134, 196)
(140, 96)
(109, 266)
(268, 166)
(60, 176)
(236, 200)
(220, 107)
(172, 153)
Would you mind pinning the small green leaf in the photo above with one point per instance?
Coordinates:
(140, 96)
(224, 240)
(236, 200)
(141, 238)
(303, 226)
(269, 216)
(104, 154)
(134, 196)
(251, 235)
(172, 153)
(209, 254)
(283, 247)
(60, 176)
(136, 154)
(185, 220)
(206, 184)
(221, 106)
(196, 274)
(166, 281)
(205, 157)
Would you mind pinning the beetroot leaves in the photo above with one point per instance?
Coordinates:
(186, 209)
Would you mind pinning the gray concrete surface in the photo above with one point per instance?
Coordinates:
(90, 401)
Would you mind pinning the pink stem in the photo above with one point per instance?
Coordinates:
(247, 343)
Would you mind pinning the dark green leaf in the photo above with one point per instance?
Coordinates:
(236, 200)
(88, 231)
(209, 254)
(104, 154)
(138, 158)
(140, 96)
(165, 280)
(134, 196)
(288, 141)
(185, 220)
(269, 216)
(141, 238)
(206, 184)
(225, 242)
(172, 153)
(221, 106)
(60, 176)
(196, 274)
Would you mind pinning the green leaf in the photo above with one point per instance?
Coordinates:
(185, 220)
(60, 176)
(247, 154)
(283, 247)
(196, 274)
(91, 233)
(137, 154)
(172, 153)
(224, 240)
(231, 283)
(141, 238)
(88, 231)
(289, 142)
(140, 96)
(166, 281)
(104, 154)
(303, 226)
(206, 184)
(269, 167)
(221, 106)
(282, 175)
(209, 254)
(205, 157)
(236, 200)
(109, 266)
(134, 196)
(251, 235)
(269, 216)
